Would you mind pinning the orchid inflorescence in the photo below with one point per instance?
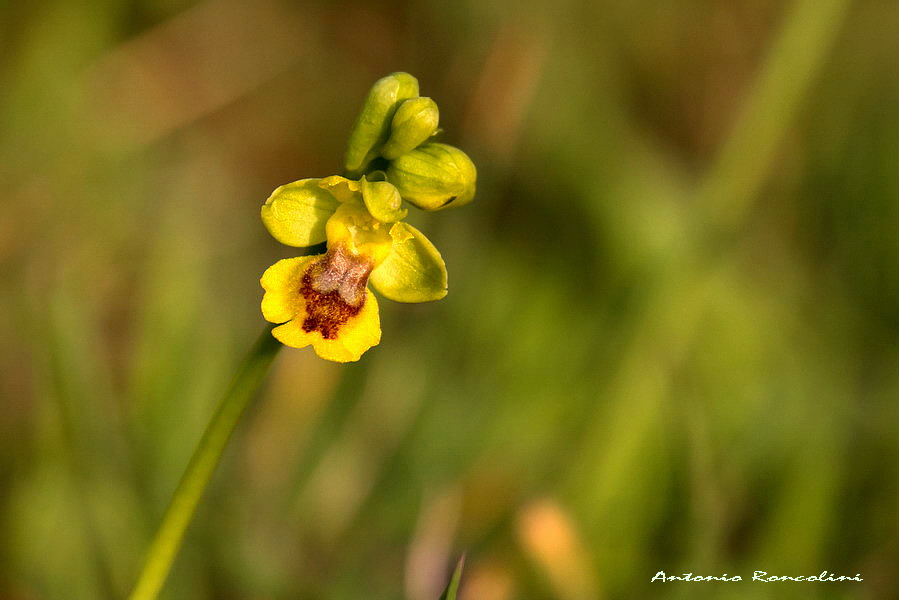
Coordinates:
(324, 300)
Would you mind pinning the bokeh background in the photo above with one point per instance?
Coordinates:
(670, 341)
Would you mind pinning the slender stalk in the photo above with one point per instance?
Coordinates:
(796, 57)
(202, 465)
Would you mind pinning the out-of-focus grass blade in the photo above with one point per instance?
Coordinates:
(453, 588)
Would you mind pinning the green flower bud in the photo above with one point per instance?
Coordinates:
(373, 124)
(382, 200)
(414, 122)
(434, 176)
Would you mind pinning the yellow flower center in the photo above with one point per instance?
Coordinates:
(352, 227)
(334, 286)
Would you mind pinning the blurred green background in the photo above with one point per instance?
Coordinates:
(670, 341)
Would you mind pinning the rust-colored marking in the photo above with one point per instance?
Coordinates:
(334, 290)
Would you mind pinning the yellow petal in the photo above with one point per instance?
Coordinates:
(281, 282)
(337, 330)
(414, 271)
(359, 333)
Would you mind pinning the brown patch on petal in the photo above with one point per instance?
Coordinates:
(334, 288)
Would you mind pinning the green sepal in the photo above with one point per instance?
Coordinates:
(383, 201)
(414, 271)
(434, 176)
(295, 214)
(372, 126)
(414, 122)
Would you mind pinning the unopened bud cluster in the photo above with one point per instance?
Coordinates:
(390, 145)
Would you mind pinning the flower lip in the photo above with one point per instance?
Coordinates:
(338, 331)
(334, 288)
(343, 272)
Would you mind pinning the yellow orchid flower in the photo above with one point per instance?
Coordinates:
(324, 300)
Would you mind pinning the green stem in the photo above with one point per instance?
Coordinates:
(202, 465)
(797, 55)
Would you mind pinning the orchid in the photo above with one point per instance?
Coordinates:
(324, 300)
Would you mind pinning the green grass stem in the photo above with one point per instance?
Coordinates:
(795, 59)
(202, 465)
